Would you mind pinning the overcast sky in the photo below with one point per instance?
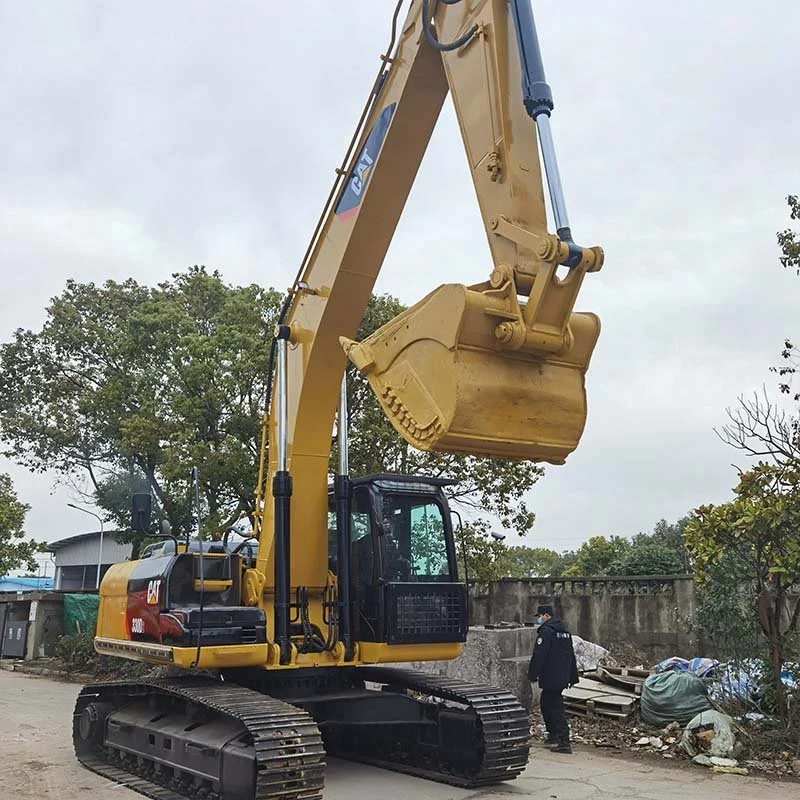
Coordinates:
(138, 139)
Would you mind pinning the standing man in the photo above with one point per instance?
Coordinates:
(554, 666)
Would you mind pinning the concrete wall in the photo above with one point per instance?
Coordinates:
(647, 612)
(45, 613)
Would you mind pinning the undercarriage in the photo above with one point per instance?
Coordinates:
(254, 734)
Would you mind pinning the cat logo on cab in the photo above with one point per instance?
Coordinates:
(153, 591)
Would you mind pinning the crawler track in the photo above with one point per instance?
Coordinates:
(499, 739)
(278, 742)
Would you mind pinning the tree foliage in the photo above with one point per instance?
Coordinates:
(598, 556)
(761, 525)
(726, 616)
(482, 552)
(789, 243)
(16, 550)
(489, 558)
(529, 562)
(661, 552)
(127, 387)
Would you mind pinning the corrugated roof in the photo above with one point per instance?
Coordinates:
(54, 547)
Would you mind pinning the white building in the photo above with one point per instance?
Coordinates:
(76, 558)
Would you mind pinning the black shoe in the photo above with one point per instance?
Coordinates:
(562, 747)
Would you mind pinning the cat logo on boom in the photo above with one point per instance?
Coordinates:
(362, 173)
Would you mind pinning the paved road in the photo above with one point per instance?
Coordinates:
(36, 763)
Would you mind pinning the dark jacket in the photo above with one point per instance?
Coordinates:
(553, 662)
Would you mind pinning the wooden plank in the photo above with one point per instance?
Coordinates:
(579, 693)
(599, 701)
(628, 672)
(631, 683)
(599, 705)
(605, 688)
(581, 711)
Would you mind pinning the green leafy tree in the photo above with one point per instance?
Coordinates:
(761, 524)
(672, 535)
(484, 553)
(528, 562)
(125, 388)
(563, 563)
(662, 552)
(726, 614)
(598, 556)
(789, 240)
(647, 558)
(16, 549)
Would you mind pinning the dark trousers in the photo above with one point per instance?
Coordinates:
(555, 718)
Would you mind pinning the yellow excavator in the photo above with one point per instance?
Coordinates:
(283, 650)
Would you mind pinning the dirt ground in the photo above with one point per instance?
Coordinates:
(36, 763)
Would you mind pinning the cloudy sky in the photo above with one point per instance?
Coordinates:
(138, 139)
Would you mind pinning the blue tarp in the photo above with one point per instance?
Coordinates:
(740, 681)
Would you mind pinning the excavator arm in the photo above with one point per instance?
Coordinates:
(494, 369)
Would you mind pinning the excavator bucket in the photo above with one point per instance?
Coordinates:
(449, 383)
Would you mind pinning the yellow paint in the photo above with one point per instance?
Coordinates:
(114, 601)
(221, 656)
(469, 369)
(212, 656)
(495, 368)
(212, 585)
(376, 653)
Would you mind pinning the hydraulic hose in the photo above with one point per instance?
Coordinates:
(430, 36)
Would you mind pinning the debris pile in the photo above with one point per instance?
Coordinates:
(673, 711)
(673, 696)
(588, 654)
(709, 740)
(664, 743)
(740, 682)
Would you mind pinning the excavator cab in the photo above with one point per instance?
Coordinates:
(404, 584)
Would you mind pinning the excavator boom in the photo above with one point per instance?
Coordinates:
(496, 368)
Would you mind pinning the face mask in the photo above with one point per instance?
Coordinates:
(539, 620)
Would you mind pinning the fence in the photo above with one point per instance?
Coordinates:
(648, 612)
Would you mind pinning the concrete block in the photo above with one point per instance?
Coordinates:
(495, 657)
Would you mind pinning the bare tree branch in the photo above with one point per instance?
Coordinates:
(760, 429)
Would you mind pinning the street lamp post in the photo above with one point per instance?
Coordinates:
(100, 554)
